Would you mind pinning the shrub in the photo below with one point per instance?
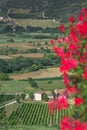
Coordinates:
(4, 76)
(49, 82)
(10, 40)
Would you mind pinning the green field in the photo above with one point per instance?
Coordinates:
(15, 86)
(32, 128)
(36, 114)
(37, 22)
(26, 37)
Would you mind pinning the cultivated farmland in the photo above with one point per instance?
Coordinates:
(37, 22)
(35, 114)
(18, 86)
(31, 55)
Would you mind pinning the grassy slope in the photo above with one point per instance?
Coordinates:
(33, 128)
(20, 86)
(53, 9)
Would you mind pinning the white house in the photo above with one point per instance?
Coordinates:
(38, 95)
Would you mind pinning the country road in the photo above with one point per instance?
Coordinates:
(12, 102)
(7, 104)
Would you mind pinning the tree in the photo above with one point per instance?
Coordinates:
(4, 76)
(31, 95)
(19, 29)
(17, 98)
(35, 67)
(32, 83)
(23, 96)
(7, 29)
(3, 66)
(0, 88)
(45, 97)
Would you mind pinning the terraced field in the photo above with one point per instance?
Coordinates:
(37, 22)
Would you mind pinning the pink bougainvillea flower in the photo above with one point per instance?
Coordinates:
(68, 64)
(82, 59)
(72, 46)
(64, 66)
(67, 39)
(62, 28)
(72, 90)
(85, 126)
(52, 41)
(74, 36)
(82, 10)
(70, 124)
(86, 54)
(68, 54)
(60, 40)
(78, 101)
(80, 17)
(66, 123)
(78, 26)
(78, 125)
(86, 46)
(66, 79)
(51, 106)
(85, 75)
(71, 19)
(82, 29)
(60, 52)
(85, 13)
(72, 51)
(55, 48)
(62, 103)
(73, 63)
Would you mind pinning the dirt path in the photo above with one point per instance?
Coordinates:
(5, 57)
(22, 46)
(31, 55)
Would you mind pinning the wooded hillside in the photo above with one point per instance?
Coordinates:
(60, 9)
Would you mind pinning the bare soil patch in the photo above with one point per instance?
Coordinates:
(5, 57)
(31, 55)
(19, 46)
(25, 46)
(43, 73)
